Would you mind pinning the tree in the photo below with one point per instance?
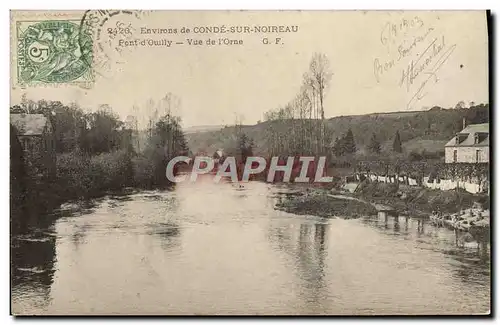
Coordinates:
(299, 126)
(317, 79)
(320, 75)
(396, 145)
(131, 123)
(102, 132)
(338, 149)
(245, 145)
(460, 104)
(374, 145)
(18, 181)
(349, 145)
(167, 141)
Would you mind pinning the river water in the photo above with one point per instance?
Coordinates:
(209, 248)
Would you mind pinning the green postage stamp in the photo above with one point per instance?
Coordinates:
(53, 52)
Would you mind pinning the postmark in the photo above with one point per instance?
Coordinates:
(107, 27)
(53, 52)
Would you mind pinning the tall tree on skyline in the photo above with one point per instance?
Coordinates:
(396, 145)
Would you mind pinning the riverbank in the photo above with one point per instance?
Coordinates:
(401, 199)
(80, 177)
(419, 201)
(321, 203)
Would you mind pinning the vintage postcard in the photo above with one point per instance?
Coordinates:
(249, 163)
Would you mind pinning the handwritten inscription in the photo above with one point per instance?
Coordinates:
(416, 48)
(406, 43)
(406, 47)
(428, 64)
(392, 32)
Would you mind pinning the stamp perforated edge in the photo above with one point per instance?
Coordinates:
(39, 16)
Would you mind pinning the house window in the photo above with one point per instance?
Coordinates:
(26, 144)
(455, 153)
(478, 153)
(476, 138)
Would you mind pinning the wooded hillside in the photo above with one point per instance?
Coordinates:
(418, 130)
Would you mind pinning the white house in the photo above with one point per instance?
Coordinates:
(471, 145)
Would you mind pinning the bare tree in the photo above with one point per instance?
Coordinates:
(307, 135)
(320, 75)
(317, 79)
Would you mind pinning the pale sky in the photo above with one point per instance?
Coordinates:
(217, 83)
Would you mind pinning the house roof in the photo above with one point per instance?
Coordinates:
(470, 131)
(29, 124)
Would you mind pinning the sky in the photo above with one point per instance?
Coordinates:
(370, 55)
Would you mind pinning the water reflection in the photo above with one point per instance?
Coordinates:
(223, 249)
(168, 233)
(32, 269)
(306, 246)
(396, 224)
(470, 259)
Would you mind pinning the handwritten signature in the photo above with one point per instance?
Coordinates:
(404, 37)
(428, 63)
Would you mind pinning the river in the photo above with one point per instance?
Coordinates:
(209, 248)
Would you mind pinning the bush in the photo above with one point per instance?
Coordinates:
(143, 172)
(111, 171)
(81, 176)
(73, 178)
(378, 189)
(445, 201)
(325, 206)
(415, 156)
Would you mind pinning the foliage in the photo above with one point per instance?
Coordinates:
(325, 206)
(286, 133)
(167, 141)
(245, 145)
(349, 145)
(143, 169)
(396, 144)
(18, 179)
(103, 132)
(346, 145)
(377, 189)
(95, 154)
(93, 133)
(299, 127)
(111, 171)
(374, 145)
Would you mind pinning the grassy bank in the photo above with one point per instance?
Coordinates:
(413, 200)
(319, 203)
(406, 200)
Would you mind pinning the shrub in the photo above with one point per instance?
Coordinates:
(143, 172)
(415, 156)
(73, 178)
(111, 171)
(79, 175)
